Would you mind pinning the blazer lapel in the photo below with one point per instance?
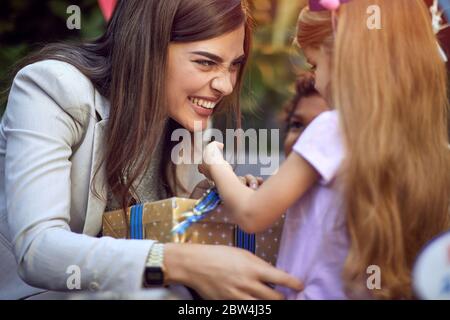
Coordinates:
(97, 202)
(96, 206)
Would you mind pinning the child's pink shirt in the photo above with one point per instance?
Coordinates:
(314, 243)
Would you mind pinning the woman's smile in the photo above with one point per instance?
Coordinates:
(203, 106)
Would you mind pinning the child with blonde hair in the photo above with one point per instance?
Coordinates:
(368, 183)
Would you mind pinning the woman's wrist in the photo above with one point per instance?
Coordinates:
(176, 260)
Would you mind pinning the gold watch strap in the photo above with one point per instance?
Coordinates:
(156, 256)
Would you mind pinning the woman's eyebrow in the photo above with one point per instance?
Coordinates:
(240, 59)
(209, 56)
(215, 57)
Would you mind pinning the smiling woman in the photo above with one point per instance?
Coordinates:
(87, 124)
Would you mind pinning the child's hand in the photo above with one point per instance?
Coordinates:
(251, 181)
(212, 155)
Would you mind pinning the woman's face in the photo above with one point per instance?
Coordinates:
(321, 64)
(200, 74)
(306, 110)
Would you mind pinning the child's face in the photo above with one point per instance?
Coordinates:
(321, 63)
(307, 109)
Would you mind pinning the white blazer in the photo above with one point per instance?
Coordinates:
(49, 216)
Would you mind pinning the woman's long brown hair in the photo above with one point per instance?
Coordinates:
(390, 87)
(128, 66)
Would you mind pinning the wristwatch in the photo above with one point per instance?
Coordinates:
(154, 267)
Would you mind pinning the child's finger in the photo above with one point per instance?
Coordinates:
(243, 180)
(252, 182)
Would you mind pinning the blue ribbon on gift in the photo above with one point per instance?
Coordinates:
(245, 240)
(203, 207)
(136, 225)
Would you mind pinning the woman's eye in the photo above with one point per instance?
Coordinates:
(236, 66)
(205, 63)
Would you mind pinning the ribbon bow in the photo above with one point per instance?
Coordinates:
(209, 202)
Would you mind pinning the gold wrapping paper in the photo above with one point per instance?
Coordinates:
(217, 228)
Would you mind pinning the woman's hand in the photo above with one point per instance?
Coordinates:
(212, 156)
(220, 272)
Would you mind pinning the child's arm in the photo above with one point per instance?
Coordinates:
(255, 211)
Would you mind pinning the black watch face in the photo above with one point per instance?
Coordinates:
(154, 276)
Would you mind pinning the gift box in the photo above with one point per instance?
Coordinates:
(156, 220)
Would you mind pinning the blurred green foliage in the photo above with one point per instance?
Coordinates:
(275, 61)
(26, 25)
